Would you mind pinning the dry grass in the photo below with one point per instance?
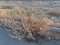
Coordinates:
(28, 24)
(36, 27)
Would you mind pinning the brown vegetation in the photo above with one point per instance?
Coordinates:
(28, 25)
(36, 27)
